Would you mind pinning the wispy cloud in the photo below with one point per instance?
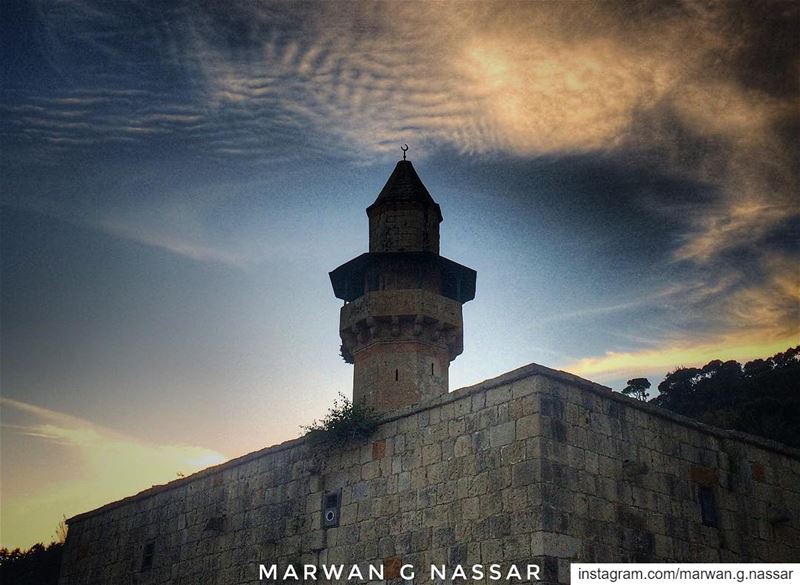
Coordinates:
(619, 365)
(525, 79)
(746, 314)
(174, 236)
(736, 312)
(645, 300)
(692, 90)
(114, 465)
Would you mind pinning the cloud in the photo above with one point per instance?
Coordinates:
(643, 301)
(525, 78)
(703, 92)
(768, 306)
(659, 361)
(174, 235)
(751, 311)
(113, 465)
(263, 81)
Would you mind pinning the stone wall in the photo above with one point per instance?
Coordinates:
(623, 481)
(534, 466)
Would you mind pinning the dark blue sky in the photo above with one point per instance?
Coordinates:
(178, 179)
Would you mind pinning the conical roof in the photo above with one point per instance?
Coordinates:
(404, 185)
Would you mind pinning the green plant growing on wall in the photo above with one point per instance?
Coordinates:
(345, 422)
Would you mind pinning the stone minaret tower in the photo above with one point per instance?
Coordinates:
(401, 324)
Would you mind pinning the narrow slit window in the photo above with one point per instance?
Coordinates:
(708, 507)
(396, 375)
(147, 555)
(431, 368)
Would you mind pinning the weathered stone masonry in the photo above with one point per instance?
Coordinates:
(533, 466)
(536, 466)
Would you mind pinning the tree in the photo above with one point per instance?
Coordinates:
(61, 531)
(637, 388)
(39, 565)
(762, 397)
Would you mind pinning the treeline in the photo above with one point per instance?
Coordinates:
(761, 397)
(39, 565)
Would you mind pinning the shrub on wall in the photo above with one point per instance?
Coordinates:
(346, 421)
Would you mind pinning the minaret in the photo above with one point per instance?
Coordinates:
(401, 324)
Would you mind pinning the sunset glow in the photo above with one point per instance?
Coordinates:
(178, 181)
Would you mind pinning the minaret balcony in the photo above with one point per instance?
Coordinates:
(402, 315)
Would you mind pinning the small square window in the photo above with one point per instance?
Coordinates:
(331, 507)
(331, 500)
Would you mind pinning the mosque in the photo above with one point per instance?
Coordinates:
(534, 468)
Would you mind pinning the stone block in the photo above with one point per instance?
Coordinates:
(528, 426)
(502, 434)
(462, 407)
(371, 470)
(513, 453)
(480, 483)
(530, 404)
(503, 413)
(412, 459)
(480, 441)
(378, 449)
(435, 473)
(703, 475)
(431, 454)
(498, 395)
(491, 551)
(487, 418)
(419, 478)
(462, 446)
(455, 428)
(478, 401)
(525, 473)
(313, 502)
(552, 407)
(471, 508)
(555, 545)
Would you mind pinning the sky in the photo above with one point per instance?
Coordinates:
(179, 177)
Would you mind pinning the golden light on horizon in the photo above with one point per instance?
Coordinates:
(621, 173)
(113, 465)
(616, 365)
